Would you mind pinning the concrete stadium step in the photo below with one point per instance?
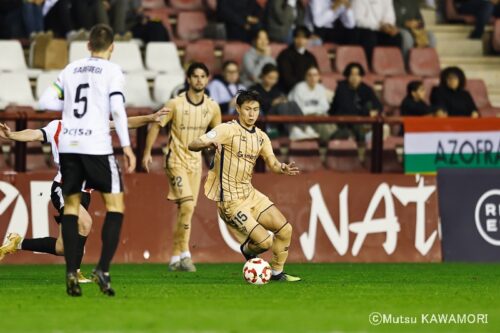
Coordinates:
(459, 47)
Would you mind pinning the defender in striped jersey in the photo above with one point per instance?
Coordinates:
(192, 113)
(50, 135)
(249, 213)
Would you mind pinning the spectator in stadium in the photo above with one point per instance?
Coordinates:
(294, 61)
(144, 22)
(87, 13)
(223, 89)
(242, 18)
(411, 24)
(33, 16)
(353, 97)
(482, 10)
(58, 19)
(333, 20)
(274, 102)
(376, 24)
(451, 96)
(281, 17)
(11, 20)
(414, 103)
(311, 96)
(256, 58)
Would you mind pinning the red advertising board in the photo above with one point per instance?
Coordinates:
(337, 217)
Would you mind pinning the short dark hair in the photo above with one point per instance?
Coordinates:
(229, 63)
(197, 65)
(268, 68)
(348, 69)
(453, 70)
(301, 30)
(413, 86)
(247, 96)
(101, 37)
(257, 33)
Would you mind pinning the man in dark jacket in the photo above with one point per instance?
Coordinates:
(294, 61)
(242, 18)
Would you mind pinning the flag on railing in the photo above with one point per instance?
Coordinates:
(434, 143)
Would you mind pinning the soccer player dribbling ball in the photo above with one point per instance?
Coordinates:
(92, 91)
(192, 112)
(249, 213)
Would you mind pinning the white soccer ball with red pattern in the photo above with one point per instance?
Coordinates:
(257, 271)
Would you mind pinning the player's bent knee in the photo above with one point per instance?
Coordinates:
(186, 207)
(84, 223)
(59, 247)
(266, 244)
(114, 202)
(285, 232)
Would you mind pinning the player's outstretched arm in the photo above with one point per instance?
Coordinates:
(276, 166)
(198, 144)
(139, 121)
(150, 140)
(27, 135)
(52, 99)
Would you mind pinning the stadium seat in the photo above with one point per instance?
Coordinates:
(234, 51)
(322, 57)
(452, 15)
(15, 89)
(329, 80)
(394, 91)
(276, 49)
(424, 62)
(202, 51)
(164, 86)
(347, 54)
(306, 155)
(12, 59)
(342, 155)
(212, 5)
(128, 56)
(191, 25)
(479, 92)
(44, 80)
(388, 61)
(137, 91)
(496, 35)
(163, 57)
(186, 4)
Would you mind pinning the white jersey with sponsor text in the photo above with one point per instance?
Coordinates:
(86, 87)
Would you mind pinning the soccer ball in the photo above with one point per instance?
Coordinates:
(257, 271)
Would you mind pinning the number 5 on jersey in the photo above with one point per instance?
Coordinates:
(81, 96)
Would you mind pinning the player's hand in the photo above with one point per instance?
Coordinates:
(4, 131)
(217, 146)
(147, 160)
(130, 161)
(158, 115)
(290, 169)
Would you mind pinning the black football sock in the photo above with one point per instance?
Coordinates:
(44, 245)
(81, 249)
(110, 237)
(69, 225)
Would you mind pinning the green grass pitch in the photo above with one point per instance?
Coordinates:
(331, 298)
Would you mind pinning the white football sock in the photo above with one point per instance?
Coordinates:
(175, 259)
(276, 272)
(185, 254)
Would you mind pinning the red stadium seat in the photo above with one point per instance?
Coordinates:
(276, 49)
(234, 51)
(424, 62)
(306, 155)
(342, 155)
(191, 25)
(452, 15)
(202, 51)
(496, 35)
(187, 4)
(329, 80)
(322, 57)
(212, 5)
(388, 61)
(347, 54)
(479, 92)
(394, 91)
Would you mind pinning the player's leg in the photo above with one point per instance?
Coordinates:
(272, 219)
(73, 174)
(103, 174)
